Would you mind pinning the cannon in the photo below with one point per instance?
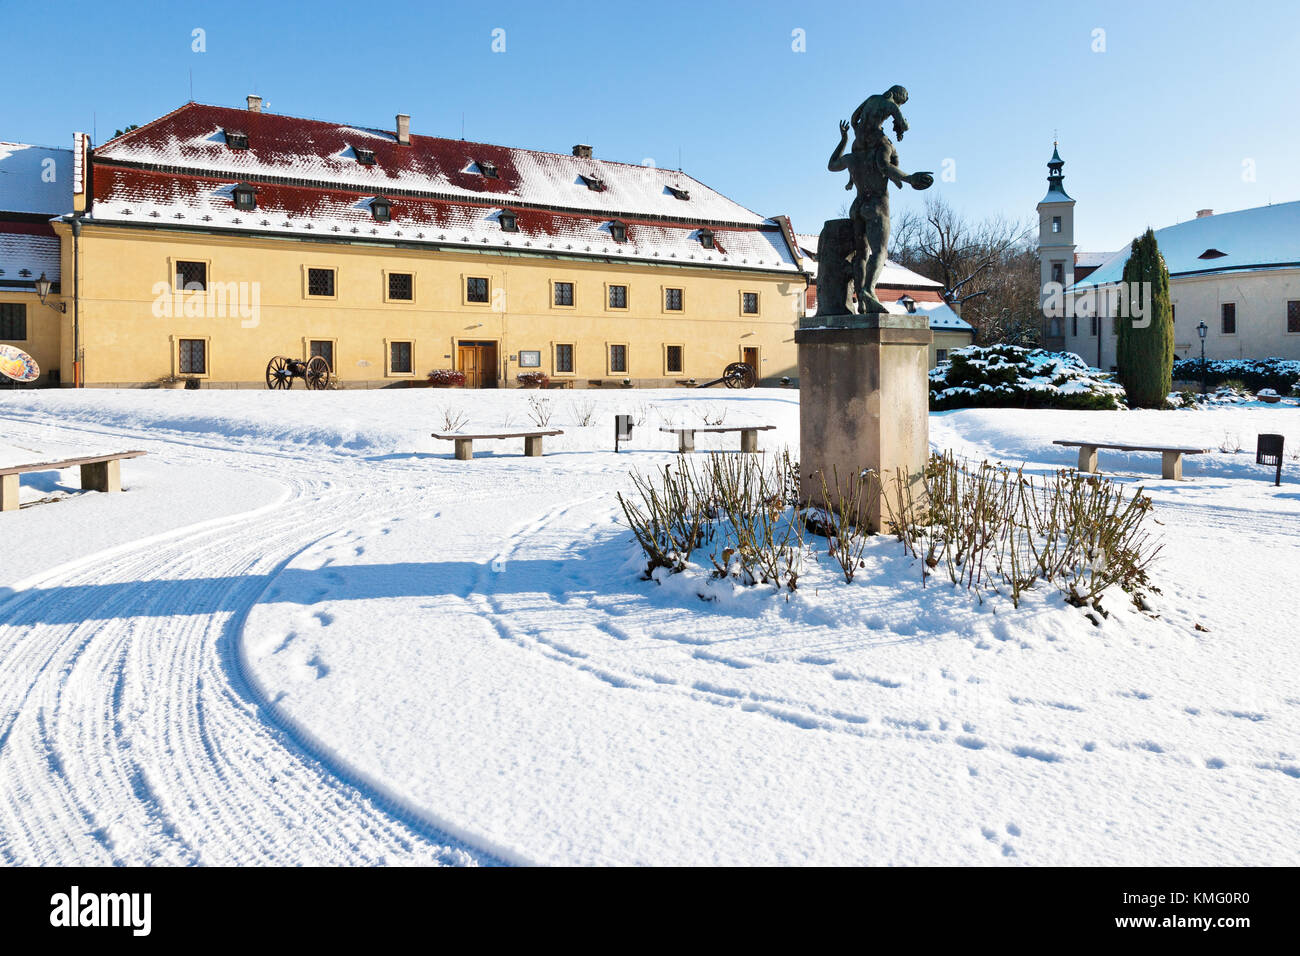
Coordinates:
(735, 375)
(315, 372)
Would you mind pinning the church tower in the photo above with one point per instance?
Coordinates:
(1055, 246)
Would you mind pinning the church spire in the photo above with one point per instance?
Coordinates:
(1055, 177)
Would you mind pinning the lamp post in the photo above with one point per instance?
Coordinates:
(43, 286)
(1201, 330)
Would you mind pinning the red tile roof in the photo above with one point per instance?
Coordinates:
(179, 170)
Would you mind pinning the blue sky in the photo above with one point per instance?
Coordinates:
(1185, 101)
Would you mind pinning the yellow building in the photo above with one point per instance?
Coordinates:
(35, 186)
(217, 238)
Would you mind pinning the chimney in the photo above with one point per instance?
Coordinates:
(582, 151)
(1202, 213)
(254, 103)
(404, 129)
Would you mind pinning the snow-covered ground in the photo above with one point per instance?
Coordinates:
(306, 633)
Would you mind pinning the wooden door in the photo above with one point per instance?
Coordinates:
(478, 361)
(750, 358)
(470, 359)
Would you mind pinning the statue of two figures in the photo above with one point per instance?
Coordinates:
(854, 248)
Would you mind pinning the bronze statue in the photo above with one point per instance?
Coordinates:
(872, 165)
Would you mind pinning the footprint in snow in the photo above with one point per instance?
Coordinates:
(1214, 763)
(1037, 754)
(1289, 769)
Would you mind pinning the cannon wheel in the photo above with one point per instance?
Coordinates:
(318, 373)
(278, 374)
(738, 375)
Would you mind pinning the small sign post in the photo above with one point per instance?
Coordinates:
(622, 430)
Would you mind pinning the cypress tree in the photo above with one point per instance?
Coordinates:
(1144, 357)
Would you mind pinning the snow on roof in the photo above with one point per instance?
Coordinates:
(145, 196)
(1259, 238)
(1092, 259)
(1055, 195)
(27, 250)
(192, 137)
(895, 275)
(35, 179)
(941, 314)
(445, 192)
(892, 275)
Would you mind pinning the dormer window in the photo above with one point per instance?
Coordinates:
(618, 230)
(381, 209)
(236, 139)
(908, 303)
(487, 169)
(1211, 254)
(245, 197)
(509, 221)
(594, 183)
(366, 157)
(679, 192)
(706, 238)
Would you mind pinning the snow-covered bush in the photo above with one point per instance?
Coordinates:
(990, 528)
(1253, 374)
(738, 511)
(1010, 376)
(533, 379)
(1228, 394)
(987, 528)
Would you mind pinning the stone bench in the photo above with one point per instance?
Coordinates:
(98, 473)
(1171, 463)
(748, 435)
(465, 442)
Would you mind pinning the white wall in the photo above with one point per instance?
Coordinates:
(1260, 297)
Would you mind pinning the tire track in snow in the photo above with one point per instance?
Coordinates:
(129, 735)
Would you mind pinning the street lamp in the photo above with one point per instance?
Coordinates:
(1201, 330)
(43, 286)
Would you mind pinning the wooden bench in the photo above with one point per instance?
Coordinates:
(465, 443)
(98, 473)
(1171, 463)
(748, 435)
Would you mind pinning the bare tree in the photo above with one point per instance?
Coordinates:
(988, 269)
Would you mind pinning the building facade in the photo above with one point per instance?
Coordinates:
(35, 185)
(1059, 264)
(214, 239)
(1236, 273)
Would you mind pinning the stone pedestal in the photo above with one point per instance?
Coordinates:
(864, 402)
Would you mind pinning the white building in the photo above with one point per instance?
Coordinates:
(1058, 260)
(1237, 272)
